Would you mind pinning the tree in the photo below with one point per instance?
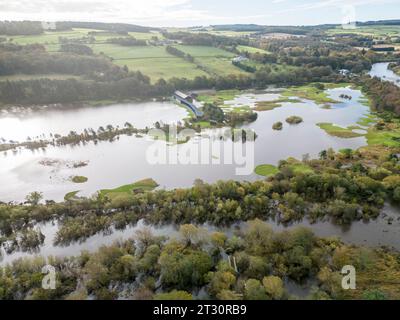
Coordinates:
(274, 287)
(192, 235)
(229, 295)
(34, 198)
(183, 269)
(220, 281)
(254, 290)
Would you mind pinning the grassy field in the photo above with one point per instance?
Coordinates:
(213, 60)
(218, 97)
(271, 105)
(17, 77)
(50, 37)
(309, 92)
(152, 61)
(252, 50)
(143, 185)
(340, 132)
(205, 52)
(156, 62)
(377, 31)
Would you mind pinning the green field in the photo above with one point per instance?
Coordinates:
(140, 186)
(377, 31)
(152, 61)
(309, 92)
(252, 50)
(339, 132)
(16, 77)
(204, 51)
(50, 37)
(213, 60)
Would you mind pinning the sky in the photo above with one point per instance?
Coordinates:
(184, 13)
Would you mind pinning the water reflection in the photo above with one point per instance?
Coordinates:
(374, 234)
(124, 161)
(381, 70)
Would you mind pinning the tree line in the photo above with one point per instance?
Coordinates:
(15, 28)
(255, 263)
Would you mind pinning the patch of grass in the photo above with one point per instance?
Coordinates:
(339, 132)
(71, 195)
(79, 179)
(17, 77)
(309, 92)
(204, 51)
(385, 138)
(219, 97)
(219, 66)
(271, 105)
(367, 121)
(376, 31)
(252, 50)
(266, 170)
(50, 37)
(238, 109)
(140, 186)
(301, 168)
(204, 124)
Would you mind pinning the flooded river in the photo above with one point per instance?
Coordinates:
(112, 164)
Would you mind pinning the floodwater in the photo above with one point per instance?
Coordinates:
(126, 160)
(111, 164)
(18, 126)
(374, 234)
(382, 71)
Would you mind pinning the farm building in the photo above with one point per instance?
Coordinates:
(183, 96)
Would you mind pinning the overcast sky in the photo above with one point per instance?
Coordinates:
(201, 12)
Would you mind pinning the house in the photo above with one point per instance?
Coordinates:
(239, 59)
(344, 72)
(183, 96)
(187, 100)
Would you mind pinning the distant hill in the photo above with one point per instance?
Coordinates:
(238, 27)
(114, 27)
(380, 23)
(297, 30)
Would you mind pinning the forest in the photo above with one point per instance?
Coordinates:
(255, 263)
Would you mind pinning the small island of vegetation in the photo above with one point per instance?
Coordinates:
(294, 120)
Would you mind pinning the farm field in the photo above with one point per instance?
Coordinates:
(204, 51)
(152, 61)
(378, 31)
(213, 60)
(17, 77)
(156, 63)
(252, 50)
(50, 37)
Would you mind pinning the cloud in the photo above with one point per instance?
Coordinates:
(100, 10)
(183, 12)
